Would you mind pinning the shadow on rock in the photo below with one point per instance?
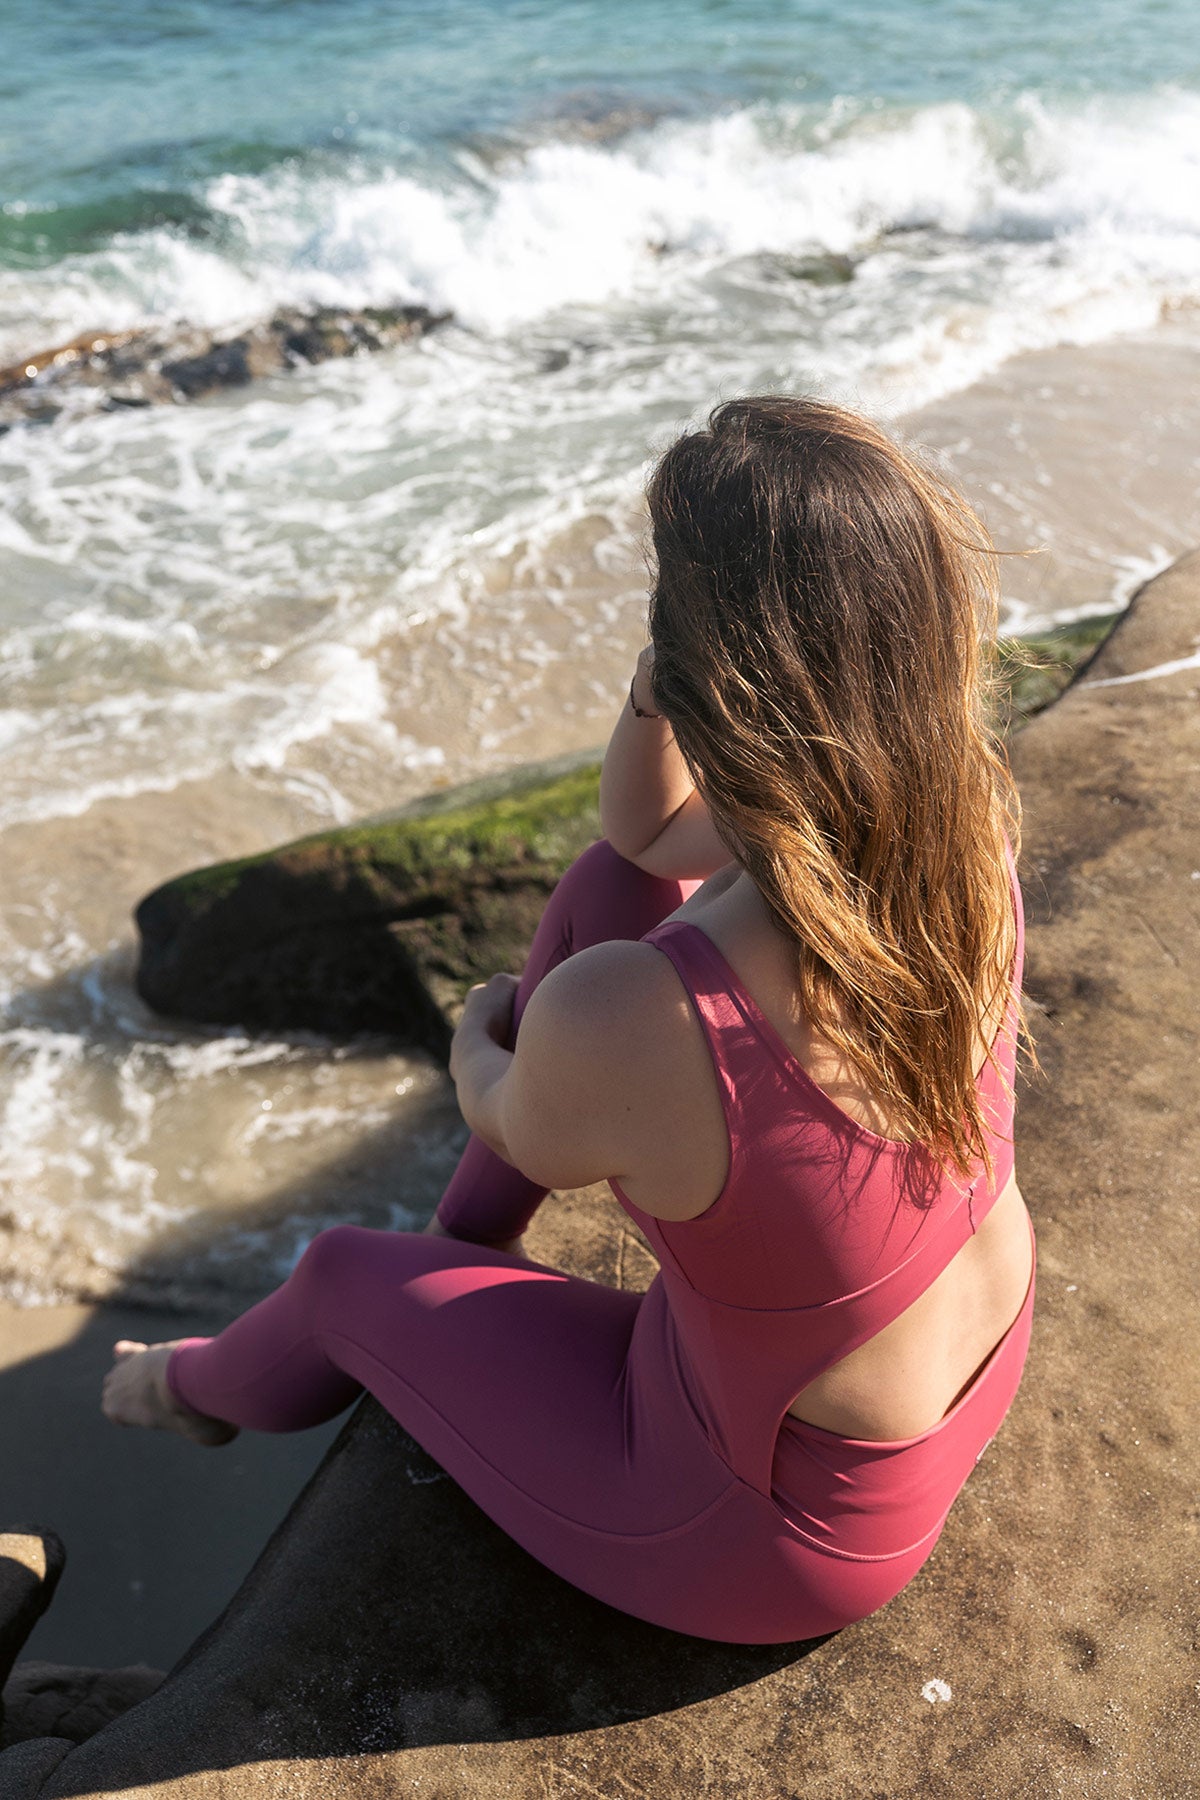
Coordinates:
(388, 1612)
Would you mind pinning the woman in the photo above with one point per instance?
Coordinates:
(777, 1008)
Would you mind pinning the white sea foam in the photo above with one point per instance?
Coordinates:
(167, 1131)
(39, 1062)
(1176, 666)
(140, 742)
(1113, 183)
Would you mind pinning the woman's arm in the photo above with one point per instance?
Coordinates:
(650, 811)
(550, 1105)
(611, 1076)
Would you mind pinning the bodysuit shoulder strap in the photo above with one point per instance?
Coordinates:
(704, 976)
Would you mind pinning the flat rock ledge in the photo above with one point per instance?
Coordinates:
(382, 926)
(391, 1641)
(108, 370)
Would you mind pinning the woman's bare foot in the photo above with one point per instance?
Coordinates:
(135, 1392)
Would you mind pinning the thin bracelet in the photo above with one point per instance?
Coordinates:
(637, 709)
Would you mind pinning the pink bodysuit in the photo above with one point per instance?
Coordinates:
(641, 1445)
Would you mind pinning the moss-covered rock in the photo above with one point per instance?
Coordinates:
(1034, 670)
(382, 926)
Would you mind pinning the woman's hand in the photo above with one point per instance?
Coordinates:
(487, 1014)
(480, 1059)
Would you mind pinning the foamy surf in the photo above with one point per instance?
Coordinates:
(1111, 182)
(199, 1166)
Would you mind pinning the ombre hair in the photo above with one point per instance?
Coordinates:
(824, 619)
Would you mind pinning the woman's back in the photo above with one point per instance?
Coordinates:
(817, 1178)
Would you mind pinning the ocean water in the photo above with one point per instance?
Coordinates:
(628, 210)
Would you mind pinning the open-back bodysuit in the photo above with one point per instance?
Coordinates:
(641, 1445)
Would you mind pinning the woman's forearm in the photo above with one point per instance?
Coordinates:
(645, 780)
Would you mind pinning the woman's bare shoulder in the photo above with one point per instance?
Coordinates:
(709, 890)
(611, 1072)
(612, 985)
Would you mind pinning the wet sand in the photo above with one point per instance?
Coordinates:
(158, 1534)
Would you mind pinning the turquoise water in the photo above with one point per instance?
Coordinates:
(340, 584)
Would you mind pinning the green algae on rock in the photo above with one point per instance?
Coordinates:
(1034, 670)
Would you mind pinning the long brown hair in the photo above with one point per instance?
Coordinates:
(823, 620)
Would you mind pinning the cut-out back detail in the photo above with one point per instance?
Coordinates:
(824, 1233)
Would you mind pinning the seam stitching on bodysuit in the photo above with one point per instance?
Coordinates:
(855, 1555)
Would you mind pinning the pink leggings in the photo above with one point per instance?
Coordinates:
(556, 1403)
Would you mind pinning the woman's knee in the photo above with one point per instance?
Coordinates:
(600, 866)
(609, 896)
(333, 1256)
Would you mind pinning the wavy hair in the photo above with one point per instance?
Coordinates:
(824, 619)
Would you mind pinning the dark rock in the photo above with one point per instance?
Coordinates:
(829, 269)
(31, 1563)
(150, 366)
(225, 365)
(26, 1768)
(44, 1700)
(377, 927)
